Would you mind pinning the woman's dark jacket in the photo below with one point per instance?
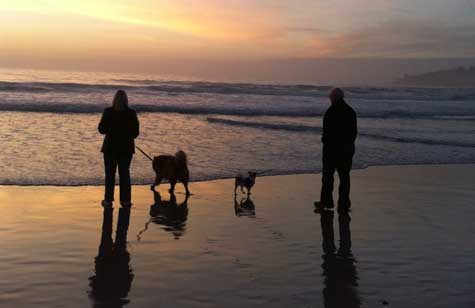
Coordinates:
(120, 128)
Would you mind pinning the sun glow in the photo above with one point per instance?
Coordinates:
(205, 22)
(51, 31)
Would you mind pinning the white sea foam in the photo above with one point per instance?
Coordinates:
(49, 134)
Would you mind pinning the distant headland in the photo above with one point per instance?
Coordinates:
(459, 77)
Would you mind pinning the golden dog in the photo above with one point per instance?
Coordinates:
(172, 168)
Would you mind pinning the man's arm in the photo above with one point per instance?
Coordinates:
(354, 127)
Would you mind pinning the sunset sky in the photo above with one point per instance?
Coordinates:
(159, 30)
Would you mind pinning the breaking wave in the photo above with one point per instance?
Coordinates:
(319, 129)
(182, 87)
(223, 109)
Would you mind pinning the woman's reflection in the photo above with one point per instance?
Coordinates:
(339, 269)
(113, 277)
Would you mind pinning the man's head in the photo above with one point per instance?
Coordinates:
(336, 95)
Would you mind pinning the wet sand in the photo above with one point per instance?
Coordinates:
(408, 242)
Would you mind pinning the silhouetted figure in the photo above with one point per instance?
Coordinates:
(168, 213)
(339, 135)
(245, 207)
(113, 277)
(339, 270)
(120, 126)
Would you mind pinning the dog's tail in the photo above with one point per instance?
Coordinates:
(181, 158)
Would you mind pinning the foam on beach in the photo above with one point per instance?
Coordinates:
(49, 126)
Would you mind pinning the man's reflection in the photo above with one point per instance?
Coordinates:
(113, 277)
(339, 270)
(245, 207)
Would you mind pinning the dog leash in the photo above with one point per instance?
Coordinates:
(263, 172)
(146, 155)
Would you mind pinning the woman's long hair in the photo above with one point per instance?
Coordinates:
(121, 101)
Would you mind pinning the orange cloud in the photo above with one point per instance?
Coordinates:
(396, 38)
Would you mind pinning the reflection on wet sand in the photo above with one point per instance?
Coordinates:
(245, 207)
(168, 213)
(113, 277)
(339, 269)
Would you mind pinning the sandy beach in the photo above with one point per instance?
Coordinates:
(408, 242)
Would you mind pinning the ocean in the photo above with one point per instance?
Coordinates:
(49, 125)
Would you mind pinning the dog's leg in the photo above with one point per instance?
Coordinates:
(248, 191)
(157, 182)
(186, 189)
(172, 186)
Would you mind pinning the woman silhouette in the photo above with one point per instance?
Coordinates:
(120, 126)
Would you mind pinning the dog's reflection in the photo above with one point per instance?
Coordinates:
(168, 213)
(113, 277)
(339, 269)
(245, 207)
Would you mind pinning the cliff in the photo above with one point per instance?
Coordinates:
(459, 77)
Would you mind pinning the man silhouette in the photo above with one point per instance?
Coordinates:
(339, 135)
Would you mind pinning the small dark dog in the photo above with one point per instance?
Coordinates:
(172, 168)
(247, 182)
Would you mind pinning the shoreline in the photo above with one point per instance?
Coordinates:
(259, 176)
